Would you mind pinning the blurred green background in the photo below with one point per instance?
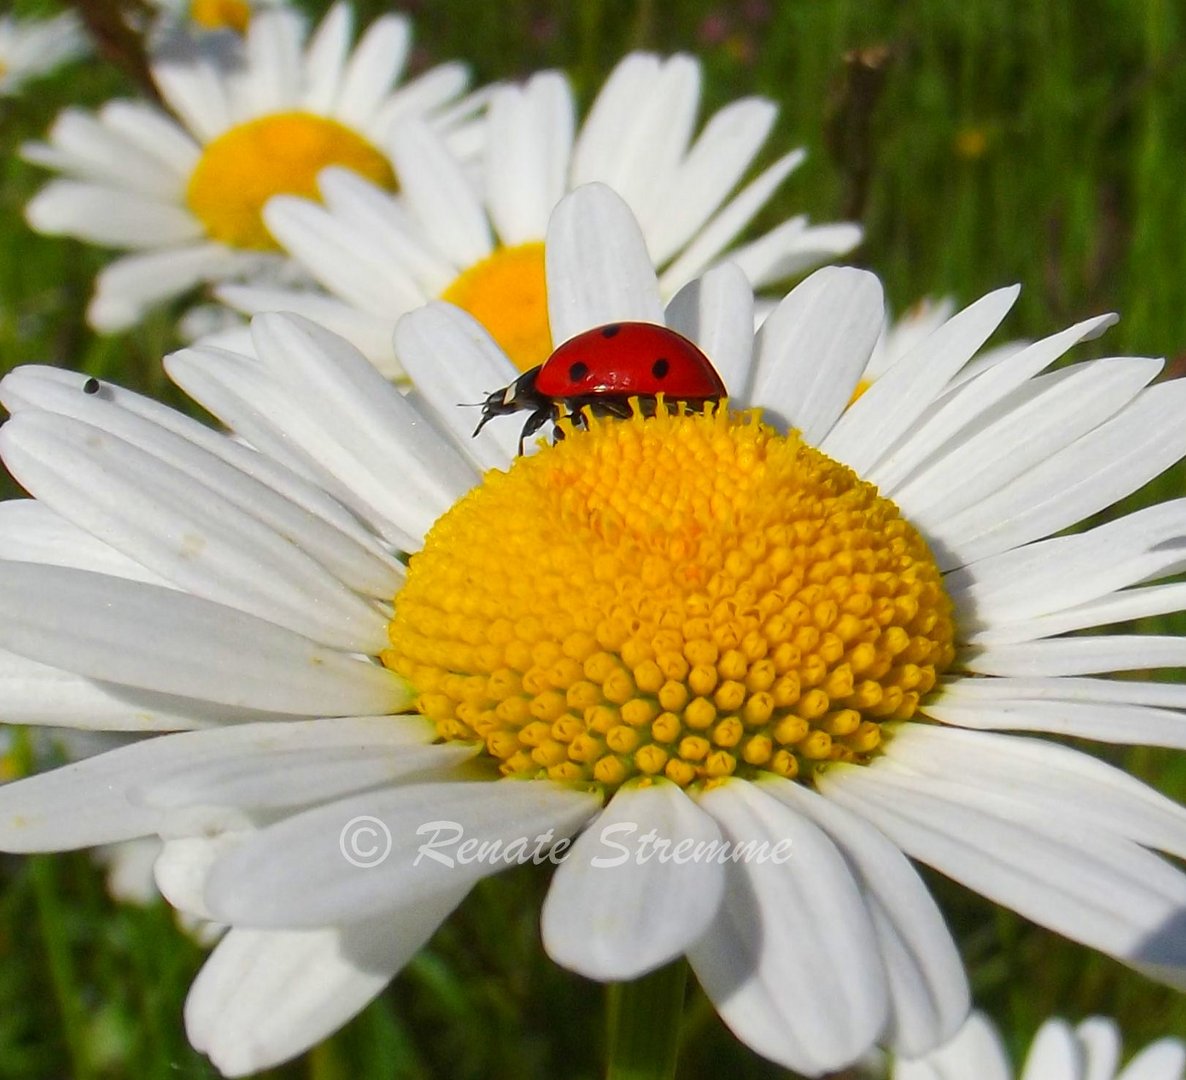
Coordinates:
(980, 143)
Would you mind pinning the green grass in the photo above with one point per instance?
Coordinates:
(1038, 143)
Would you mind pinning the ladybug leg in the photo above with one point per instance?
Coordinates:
(534, 422)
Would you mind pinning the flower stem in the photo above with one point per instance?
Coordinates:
(644, 1023)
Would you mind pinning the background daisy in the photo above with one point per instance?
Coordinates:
(1089, 1051)
(480, 246)
(34, 47)
(249, 120)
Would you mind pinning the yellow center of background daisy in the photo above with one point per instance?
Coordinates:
(690, 595)
(220, 14)
(507, 293)
(279, 154)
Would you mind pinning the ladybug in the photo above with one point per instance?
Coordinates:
(601, 370)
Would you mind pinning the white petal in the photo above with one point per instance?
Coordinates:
(716, 312)
(714, 164)
(1020, 434)
(372, 70)
(1100, 1038)
(794, 247)
(453, 361)
(301, 873)
(1098, 890)
(813, 1002)
(1162, 1060)
(976, 1053)
(265, 996)
(124, 793)
(927, 985)
(39, 694)
(193, 88)
(1093, 472)
(530, 143)
(325, 59)
(1054, 1055)
(439, 195)
(1078, 655)
(894, 402)
(975, 397)
(721, 231)
(812, 349)
(162, 640)
(389, 454)
(598, 268)
(285, 500)
(183, 529)
(107, 215)
(617, 908)
(128, 287)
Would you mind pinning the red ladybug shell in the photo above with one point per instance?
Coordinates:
(628, 358)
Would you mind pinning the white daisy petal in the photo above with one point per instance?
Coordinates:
(1078, 656)
(399, 456)
(106, 215)
(1054, 1054)
(439, 195)
(295, 873)
(325, 58)
(881, 415)
(281, 498)
(427, 96)
(265, 996)
(340, 257)
(927, 985)
(615, 911)
(40, 694)
(805, 371)
(530, 144)
(794, 247)
(813, 1002)
(630, 82)
(1131, 724)
(714, 164)
(162, 640)
(128, 287)
(377, 62)
(1101, 1039)
(183, 530)
(728, 223)
(597, 265)
(1093, 472)
(976, 1053)
(1060, 407)
(1162, 1060)
(716, 312)
(191, 87)
(454, 362)
(1106, 893)
(273, 62)
(1063, 572)
(1051, 782)
(976, 397)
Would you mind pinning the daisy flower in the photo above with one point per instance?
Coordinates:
(406, 656)
(213, 16)
(377, 255)
(33, 47)
(250, 119)
(1089, 1051)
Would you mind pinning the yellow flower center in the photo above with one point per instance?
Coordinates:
(279, 154)
(507, 293)
(221, 14)
(692, 595)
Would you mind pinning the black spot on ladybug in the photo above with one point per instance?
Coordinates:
(91, 386)
(578, 371)
(611, 330)
(660, 367)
